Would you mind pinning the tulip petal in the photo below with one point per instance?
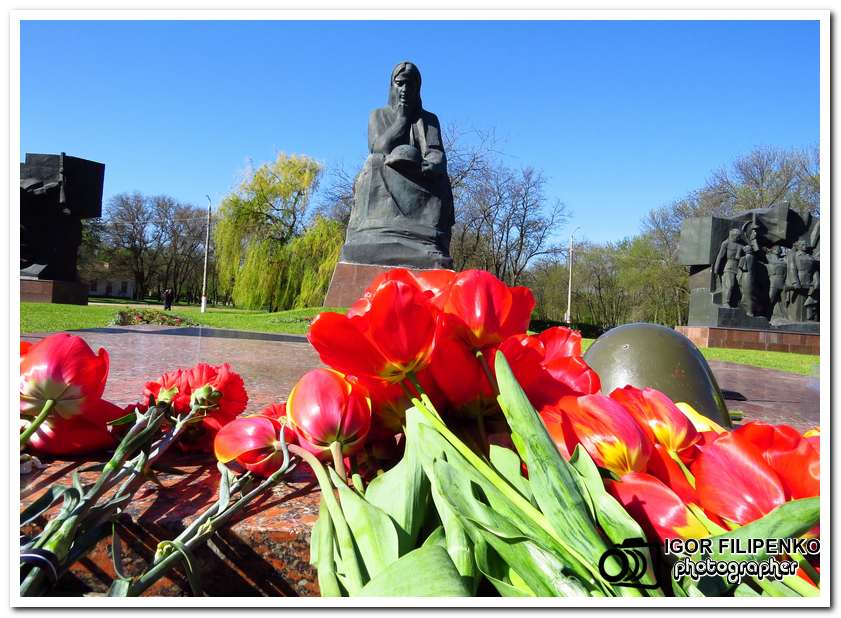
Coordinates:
(560, 342)
(243, 435)
(662, 421)
(789, 454)
(733, 481)
(698, 420)
(401, 324)
(340, 344)
(662, 466)
(519, 315)
(658, 509)
(482, 302)
(61, 437)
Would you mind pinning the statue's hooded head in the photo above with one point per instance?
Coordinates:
(408, 74)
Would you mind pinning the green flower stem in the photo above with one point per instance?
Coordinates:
(807, 568)
(338, 460)
(203, 528)
(61, 532)
(491, 379)
(498, 481)
(36, 423)
(344, 539)
(801, 586)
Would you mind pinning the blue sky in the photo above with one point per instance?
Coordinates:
(621, 116)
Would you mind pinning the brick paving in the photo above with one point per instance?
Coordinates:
(270, 364)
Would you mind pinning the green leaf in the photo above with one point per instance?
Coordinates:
(403, 493)
(498, 573)
(117, 552)
(424, 572)
(457, 542)
(614, 520)
(43, 503)
(128, 419)
(374, 532)
(186, 560)
(743, 590)
(552, 480)
(436, 537)
(509, 465)
(348, 562)
(119, 588)
(224, 486)
(543, 571)
(789, 520)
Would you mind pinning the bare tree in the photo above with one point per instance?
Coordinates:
(505, 222)
(133, 234)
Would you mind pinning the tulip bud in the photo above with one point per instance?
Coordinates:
(326, 407)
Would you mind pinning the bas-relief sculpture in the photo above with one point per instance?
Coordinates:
(403, 203)
(759, 269)
(56, 193)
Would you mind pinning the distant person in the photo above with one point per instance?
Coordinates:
(168, 299)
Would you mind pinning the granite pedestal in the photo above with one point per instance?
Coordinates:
(51, 291)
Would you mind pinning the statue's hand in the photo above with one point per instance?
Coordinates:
(402, 120)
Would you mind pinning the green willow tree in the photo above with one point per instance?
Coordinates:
(270, 255)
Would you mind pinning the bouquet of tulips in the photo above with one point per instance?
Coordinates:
(517, 474)
(456, 452)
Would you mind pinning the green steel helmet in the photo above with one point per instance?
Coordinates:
(651, 355)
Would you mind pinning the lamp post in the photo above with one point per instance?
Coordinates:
(568, 314)
(206, 250)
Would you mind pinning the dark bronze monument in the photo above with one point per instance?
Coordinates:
(757, 270)
(403, 203)
(56, 193)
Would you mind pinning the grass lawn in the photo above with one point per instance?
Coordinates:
(45, 317)
(804, 364)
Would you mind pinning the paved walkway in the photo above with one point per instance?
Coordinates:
(270, 364)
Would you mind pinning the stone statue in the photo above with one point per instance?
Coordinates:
(755, 270)
(727, 266)
(403, 203)
(776, 264)
(746, 281)
(801, 267)
(56, 193)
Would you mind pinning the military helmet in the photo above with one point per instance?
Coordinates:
(651, 355)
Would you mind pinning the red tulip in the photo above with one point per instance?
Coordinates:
(326, 407)
(733, 480)
(455, 378)
(64, 369)
(661, 465)
(25, 346)
(662, 421)
(789, 454)
(389, 335)
(549, 366)
(388, 404)
(254, 442)
(433, 283)
(813, 435)
(62, 437)
(658, 509)
(487, 310)
(603, 427)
